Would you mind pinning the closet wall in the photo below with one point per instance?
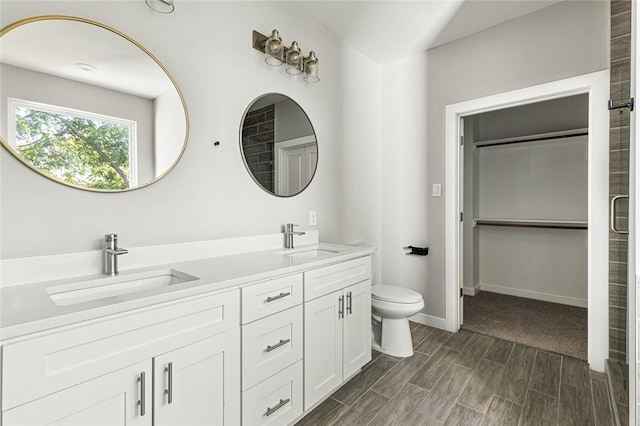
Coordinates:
(526, 202)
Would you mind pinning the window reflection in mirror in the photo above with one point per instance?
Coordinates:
(88, 106)
(77, 147)
(279, 145)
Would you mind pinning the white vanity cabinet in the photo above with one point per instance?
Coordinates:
(112, 370)
(113, 399)
(337, 326)
(262, 351)
(272, 351)
(199, 384)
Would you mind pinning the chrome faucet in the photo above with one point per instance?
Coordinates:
(288, 235)
(111, 253)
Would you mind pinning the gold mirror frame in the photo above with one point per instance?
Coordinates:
(6, 145)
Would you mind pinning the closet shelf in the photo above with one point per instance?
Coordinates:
(533, 138)
(534, 223)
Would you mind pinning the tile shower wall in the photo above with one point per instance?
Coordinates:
(619, 175)
(258, 136)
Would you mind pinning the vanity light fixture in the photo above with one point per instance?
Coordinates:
(276, 54)
(161, 6)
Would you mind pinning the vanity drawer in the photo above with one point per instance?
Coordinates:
(269, 297)
(321, 281)
(270, 345)
(277, 401)
(33, 368)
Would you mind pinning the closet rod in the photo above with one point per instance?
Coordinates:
(532, 224)
(542, 137)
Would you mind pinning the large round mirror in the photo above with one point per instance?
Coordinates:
(87, 106)
(279, 145)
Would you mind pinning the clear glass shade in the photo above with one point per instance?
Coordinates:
(274, 50)
(294, 59)
(311, 68)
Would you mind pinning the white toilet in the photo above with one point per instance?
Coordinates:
(391, 307)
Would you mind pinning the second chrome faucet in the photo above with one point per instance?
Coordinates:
(288, 235)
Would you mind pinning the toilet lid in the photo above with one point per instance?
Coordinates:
(392, 293)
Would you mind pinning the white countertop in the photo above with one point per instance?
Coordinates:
(28, 308)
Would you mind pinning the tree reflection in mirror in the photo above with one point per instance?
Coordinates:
(75, 147)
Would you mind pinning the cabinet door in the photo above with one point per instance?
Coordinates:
(357, 327)
(322, 347)
(112, 399)
(199, 384)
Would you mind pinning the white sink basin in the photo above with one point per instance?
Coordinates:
(310, 254)
(100, 288)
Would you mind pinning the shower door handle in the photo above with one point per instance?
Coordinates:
(612, 213)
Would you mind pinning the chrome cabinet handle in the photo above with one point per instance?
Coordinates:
(613, 214)
(169, 391)
(277, 345)
(349, 302)
(280, 296)
(282, 403)
(341, 307)
(141, 401)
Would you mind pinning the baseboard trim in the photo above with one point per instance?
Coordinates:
(425, 319)
(471, 291)
(546, 297)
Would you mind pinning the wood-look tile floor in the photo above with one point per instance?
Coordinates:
(468, 379)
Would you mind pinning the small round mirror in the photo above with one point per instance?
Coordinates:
(88, 106)
(278, 145)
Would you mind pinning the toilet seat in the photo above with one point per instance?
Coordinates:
(395, 294)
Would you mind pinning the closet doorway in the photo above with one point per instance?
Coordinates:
(528, 240)
(525, 195)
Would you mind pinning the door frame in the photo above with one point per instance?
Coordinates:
(278, 158)
(597, 86)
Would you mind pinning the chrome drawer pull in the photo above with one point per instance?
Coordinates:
(169, 390)
(341, 307)
(280, 296)
(349, 302)
(141, 401)
(282, 403)
(277, 345)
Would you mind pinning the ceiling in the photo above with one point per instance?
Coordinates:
(63, 47)
(386, 31)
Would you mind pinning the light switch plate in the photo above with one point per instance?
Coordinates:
(313, 218)
(437, 190)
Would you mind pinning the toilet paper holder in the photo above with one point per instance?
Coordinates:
(417, 251)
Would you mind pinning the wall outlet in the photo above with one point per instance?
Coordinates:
(437, 190)
(313, 218)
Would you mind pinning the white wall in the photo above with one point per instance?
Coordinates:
(360, 154)
(534, 180)
(48, 89)
(169, 133)
(290, 122)
(404, 177)
(568, 39)
(209, 194)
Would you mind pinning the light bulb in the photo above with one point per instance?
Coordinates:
(295, 56)
(274, 46)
